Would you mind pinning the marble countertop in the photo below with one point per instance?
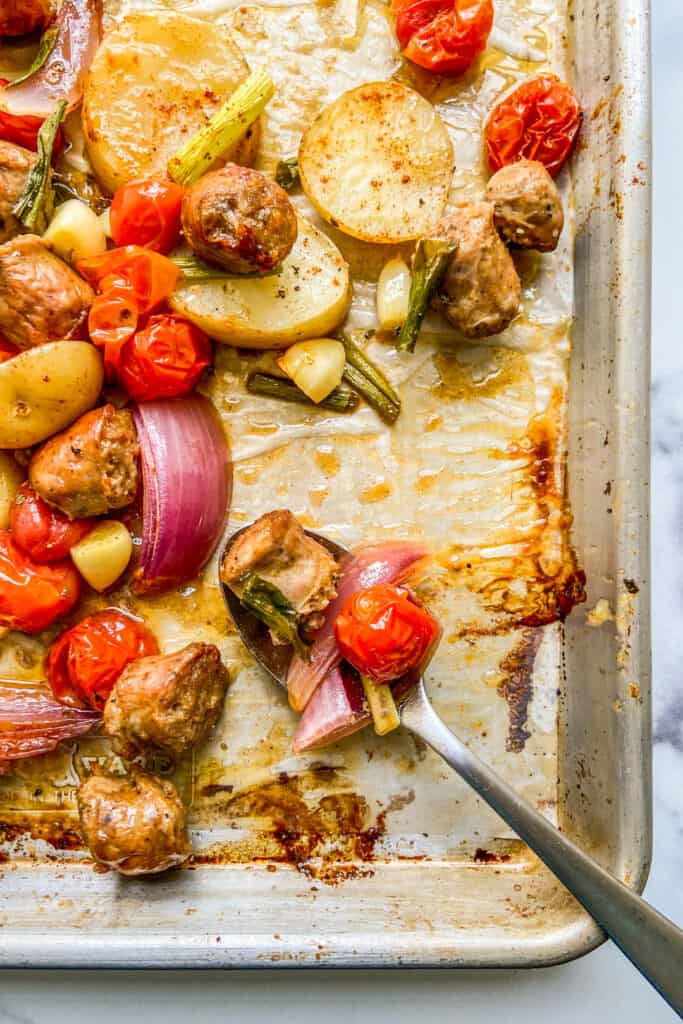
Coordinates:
(602, 986)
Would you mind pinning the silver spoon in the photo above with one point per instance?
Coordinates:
(652, 942)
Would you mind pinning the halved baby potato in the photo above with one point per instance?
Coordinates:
(378, 163)
(155, 80)
(44, 389)
(307, 298)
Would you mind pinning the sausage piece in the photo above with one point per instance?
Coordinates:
(41, 297)
(168, 703)
(15, 167)
(240, 219)
(527, 208)
(278, 550)
(19, 17)
(92, 467)
(133, 823)
(480, 292)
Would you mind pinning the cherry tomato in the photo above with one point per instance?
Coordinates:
(112, 320)
(384, 633)
(538, 121)
(149, 276)
(42, 533)
(444, 36)
(165, 359)
(32, 596)
(22, 129)
(147, 212)
(85, 661)
(7, 350)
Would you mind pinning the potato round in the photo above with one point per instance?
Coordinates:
(308, 298)
(378, 163)
(153, 83)
(44, 389)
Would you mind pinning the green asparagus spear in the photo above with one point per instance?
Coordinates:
(287, 173)
(357, 358)
(270, 606)
(387, 409)
(432, 256)
(382, 706)
(341, 399)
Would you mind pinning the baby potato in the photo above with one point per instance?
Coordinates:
(378, 163)
(307, 298)
(155, 81)
(44, 389)
(11, 478)
(76, 232)
(103, 554)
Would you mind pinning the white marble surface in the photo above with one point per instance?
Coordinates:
(600, 987)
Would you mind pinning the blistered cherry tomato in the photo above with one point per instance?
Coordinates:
(443, 36)
(164, 359)
(148, 275)
(41, 532)
(384, 633)
(112, 320)
(22, 129)
(147, 212)
(85, 661)
(538, 121)
(32, 596)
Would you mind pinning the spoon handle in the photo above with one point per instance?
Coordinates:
(652, 942)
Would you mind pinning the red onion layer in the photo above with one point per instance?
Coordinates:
(62, 76)
(388, 562)
(33, 723)
(187, 484)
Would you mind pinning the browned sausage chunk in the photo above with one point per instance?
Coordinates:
(19, 17)
(240, 219)
(92, 467)
(41, 297)
(167, 703)
(278, 550)
(480, 292)
(133, 823)
(15, 165)
(527, 205)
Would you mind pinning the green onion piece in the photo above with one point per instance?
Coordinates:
(382, 706)
(270, 606)
(45, 48)
(357, 358)
(287, 173)
(387, 409)
(194, 269)
(341, 399)
(432, 256)
(36, 203)
(226, 127)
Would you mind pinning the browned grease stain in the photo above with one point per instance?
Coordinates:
(486, 857)
(482, 375)
(379, 491)
(329, 837)
(516, 688)
(61, 834)
(327, 460)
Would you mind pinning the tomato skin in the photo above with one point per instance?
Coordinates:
(443, 36)
(42, 533)
(32, 596)
(384, 633)
(165, 359)
(538, 121)
(22, 129)
(112, 320)
(147, 275)
(7, 350)
(147, 212)
(85, 661)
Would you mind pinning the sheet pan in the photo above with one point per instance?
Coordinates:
(391, 861)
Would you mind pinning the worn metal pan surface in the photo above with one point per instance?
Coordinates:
(369, 853)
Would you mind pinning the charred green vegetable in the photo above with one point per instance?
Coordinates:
(432, 256)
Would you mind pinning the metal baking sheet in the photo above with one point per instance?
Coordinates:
(372, 853)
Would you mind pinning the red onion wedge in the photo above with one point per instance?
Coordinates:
(187, 484)
(32, 722)
(62, 76)
(337, 709)
(388, 562)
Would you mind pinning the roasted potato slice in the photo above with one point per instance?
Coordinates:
(378, 162)
(44, 389)
(154, 82)
(308, 298)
